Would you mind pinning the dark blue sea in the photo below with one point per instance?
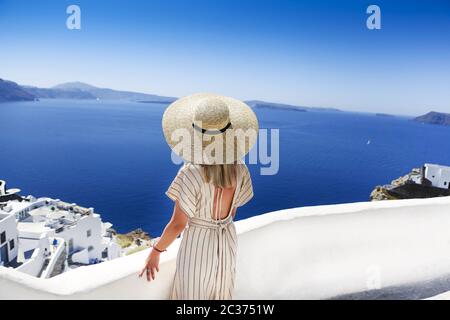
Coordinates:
(112, 156)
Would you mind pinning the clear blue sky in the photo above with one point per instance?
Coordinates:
(313, 53)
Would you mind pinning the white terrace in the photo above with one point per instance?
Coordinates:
(370, 249)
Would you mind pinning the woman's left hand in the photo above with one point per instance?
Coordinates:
(151, 266)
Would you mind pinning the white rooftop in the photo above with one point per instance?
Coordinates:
(34, 227)
(13, 206)
(46, 211)
(432, 165)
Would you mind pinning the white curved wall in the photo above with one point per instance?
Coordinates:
(302, 253)
(34, 265)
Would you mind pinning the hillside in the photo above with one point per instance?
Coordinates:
(433, 117)
(11, 91)
(45, 93)
(407, 187)
(109, 94)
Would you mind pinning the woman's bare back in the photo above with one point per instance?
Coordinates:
(223, 200)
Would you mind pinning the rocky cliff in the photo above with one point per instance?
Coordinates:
(11, 91)
(433, 117)
(407, 187)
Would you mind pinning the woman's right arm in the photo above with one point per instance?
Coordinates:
(172, 230)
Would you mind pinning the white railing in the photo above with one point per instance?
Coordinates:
(312, 252)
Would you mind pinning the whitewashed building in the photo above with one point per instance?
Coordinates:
(8, 238)
(81, 228)
(44, 237)
(8, 227)
(436, 175)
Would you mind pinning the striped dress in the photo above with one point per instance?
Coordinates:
(206, 260)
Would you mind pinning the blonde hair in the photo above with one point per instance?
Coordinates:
(220, 175)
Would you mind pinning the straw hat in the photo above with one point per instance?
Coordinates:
(206, 128)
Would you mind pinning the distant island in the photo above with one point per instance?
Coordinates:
(110, 94)
(11, 91)
(433, 117)
(272, 105)
(53, 93)
(384, 115)
(157, 101)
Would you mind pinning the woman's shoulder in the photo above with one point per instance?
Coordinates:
(242, 167)
(190, 167)
(192, 171)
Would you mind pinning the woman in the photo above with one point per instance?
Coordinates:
(211, 133)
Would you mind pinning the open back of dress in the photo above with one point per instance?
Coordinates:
(223, 202)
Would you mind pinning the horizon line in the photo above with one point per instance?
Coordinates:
(338, 108)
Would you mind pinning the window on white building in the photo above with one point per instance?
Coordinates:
(3, 237)
(88, 233)
(11, 244)
(90, 248)
(70, 245)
